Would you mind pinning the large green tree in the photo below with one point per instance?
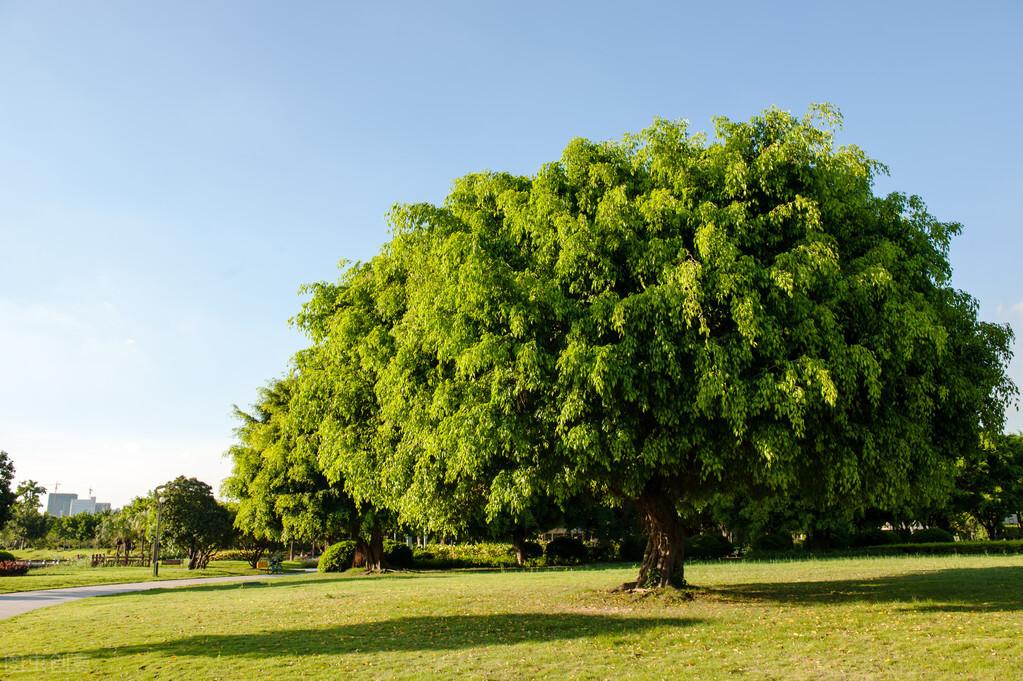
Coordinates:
(661, 320)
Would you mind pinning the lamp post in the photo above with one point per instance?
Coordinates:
(156, 536)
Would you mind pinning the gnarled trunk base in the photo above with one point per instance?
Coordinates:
(369, 554)
(663, 559)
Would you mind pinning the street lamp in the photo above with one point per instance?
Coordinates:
(156, 536)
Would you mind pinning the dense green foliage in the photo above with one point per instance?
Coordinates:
(338, 557)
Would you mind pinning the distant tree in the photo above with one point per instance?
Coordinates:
(115, 530)
(192, 520)
(138, 517)
(7, 494)
(278, 480)
(252, 546)
(78, 530)
(28, 523)
(990, 486)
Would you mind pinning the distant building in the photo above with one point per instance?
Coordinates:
(102, 506)
(83, 506)
(59, 505)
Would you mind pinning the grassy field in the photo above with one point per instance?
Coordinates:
(60, 576)
(881, 618)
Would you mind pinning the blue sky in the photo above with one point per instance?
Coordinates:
(170, 173)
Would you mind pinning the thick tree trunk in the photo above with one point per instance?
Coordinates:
(519, 543)
(663, 560)
(369, 554)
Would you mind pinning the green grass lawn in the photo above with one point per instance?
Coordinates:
(955, 617)
(61, 576)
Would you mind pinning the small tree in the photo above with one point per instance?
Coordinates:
(27, 522)
(7, 495)
(192, 520)
(990, 486)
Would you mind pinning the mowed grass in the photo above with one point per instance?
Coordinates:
(881, 618)
(62, 576)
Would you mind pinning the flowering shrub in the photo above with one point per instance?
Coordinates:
(13, 568)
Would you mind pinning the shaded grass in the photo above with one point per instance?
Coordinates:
(876, 618)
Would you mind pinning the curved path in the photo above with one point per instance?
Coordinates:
(12, 604)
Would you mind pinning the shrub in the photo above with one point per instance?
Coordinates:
(6, 555)
(708, 546)
(565, 551)
(773, 541)
(338, 557)
(631, 549)
(531, 549)
(450, 556)
(875, 537)
(602, 552)
(13, 568)
(931, 535)
(397, 554)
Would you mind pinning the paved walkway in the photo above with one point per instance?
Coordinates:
(16, 603)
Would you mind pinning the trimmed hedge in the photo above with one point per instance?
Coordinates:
(6, 555)
(338, 557)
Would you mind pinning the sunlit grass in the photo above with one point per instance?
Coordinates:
(880, 618)
(80, 574)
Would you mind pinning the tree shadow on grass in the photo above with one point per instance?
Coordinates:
(405, 634)
(989, 589)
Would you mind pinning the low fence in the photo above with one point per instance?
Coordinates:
(102, 560)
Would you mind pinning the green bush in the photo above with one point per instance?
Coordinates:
(931, 535)
(632, 548)
(6, 555)
(708, 546)
(875, 537)
(565, 551)
(451, 556)
(773, 541)
(601, 552)
(338, 557)
(397, 555)
(531, 549)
